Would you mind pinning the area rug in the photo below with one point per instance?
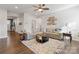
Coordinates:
(50, 47)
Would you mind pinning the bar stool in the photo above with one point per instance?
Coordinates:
(67, 35)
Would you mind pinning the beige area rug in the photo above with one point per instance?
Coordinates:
(50, 47)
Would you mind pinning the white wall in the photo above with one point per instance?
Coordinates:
(18, 28)
(27, 23)
(3, 23)
(8, 25)
(11, 13)
(70, 17)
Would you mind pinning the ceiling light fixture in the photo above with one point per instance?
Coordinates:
(41, 7)
(40, 10)
(16, 7)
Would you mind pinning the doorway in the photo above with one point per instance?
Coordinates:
(11, 25)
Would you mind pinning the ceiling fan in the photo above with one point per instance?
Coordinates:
(41, 7)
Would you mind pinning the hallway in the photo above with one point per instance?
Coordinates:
(14, 45)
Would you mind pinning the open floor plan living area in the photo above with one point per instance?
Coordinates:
(39, 28)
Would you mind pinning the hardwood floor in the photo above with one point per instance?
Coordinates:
(14, 45)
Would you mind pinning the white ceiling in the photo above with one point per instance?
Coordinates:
(29, 7)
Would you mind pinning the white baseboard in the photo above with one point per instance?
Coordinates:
(3, 37)
(75, 38)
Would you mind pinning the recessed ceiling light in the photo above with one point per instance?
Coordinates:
(16, 7)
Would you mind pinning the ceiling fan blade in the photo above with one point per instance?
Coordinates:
(39, 6)
(45, 8)
(35, 9)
